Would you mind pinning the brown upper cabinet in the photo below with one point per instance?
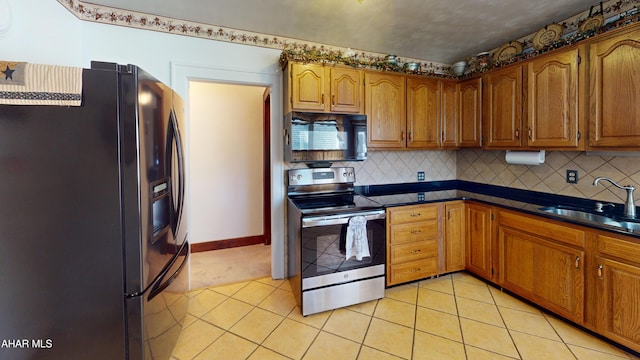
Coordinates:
(449, 118)
(423, 112)
(502, 107)
(614, 91)
(386, 110)
(470, 112)
(424, 115)
(319, 88)
(580, 97)
(536, 104)
(554, 101)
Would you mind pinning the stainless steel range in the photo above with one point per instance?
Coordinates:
(336, 242)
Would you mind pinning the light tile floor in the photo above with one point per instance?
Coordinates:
(455, 316)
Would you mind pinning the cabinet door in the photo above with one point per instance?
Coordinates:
(454, 225)
(449, 115)
(346, 94)
(502, 105)
(423, 113)
(478, 240)
(619, 311)
(553, 100)
(470, 113)
(385, 110)
(308, 87)
(547, 273)
(614, 92)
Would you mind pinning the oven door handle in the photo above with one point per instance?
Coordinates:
(340, 219)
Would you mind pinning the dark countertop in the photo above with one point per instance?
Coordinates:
(516, 199)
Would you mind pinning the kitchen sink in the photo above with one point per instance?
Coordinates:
(628, 225)
(582, 214)
(576, 213)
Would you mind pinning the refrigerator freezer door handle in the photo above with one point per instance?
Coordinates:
(174, 137)
(162, 284)
(159, 279)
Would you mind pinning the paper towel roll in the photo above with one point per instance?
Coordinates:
(524, 157)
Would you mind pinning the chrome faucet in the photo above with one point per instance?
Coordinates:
(629, 205)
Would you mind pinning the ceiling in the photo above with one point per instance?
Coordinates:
(434, 30)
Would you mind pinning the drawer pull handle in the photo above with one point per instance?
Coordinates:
(416, 231)
(600, 271)
(415, 214)
(415, 270)
(416, 251)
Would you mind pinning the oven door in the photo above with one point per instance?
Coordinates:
(324, 248)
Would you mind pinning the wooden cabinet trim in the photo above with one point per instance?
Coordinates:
(619, 248)
(413, 213)
(561, 232)
(412, 251)
(409, 232)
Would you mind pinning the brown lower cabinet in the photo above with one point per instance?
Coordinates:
(453, 228)
(617, 289)
(543, 262)
(424, 240)
(588, 276)
(479, 240)
(413, 235)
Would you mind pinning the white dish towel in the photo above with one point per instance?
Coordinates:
(357, 243)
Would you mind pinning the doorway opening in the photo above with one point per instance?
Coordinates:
(230, 170)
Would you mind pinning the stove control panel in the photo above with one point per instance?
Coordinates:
(316, 176)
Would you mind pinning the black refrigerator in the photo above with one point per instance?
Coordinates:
(93, 228)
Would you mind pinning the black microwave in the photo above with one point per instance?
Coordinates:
(321, 138)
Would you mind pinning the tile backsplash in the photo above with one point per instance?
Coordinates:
(490, 167)
(392, 167)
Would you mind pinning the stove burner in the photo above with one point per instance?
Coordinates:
(333, 203)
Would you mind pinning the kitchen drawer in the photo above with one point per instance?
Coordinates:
(404, 233)
(619, 248)
(404, 253)
(414, 270)
(543, 227)
(413, 213)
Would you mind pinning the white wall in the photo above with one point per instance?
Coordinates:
(43, 31)
(226, 154)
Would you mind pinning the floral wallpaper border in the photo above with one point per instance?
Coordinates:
(610, 9)
(294, 47)
(616, 13)
(97, 13)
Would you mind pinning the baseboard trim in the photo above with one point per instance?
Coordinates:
(227, 243)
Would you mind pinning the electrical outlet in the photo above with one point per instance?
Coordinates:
(420, 175)
(572, 176)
